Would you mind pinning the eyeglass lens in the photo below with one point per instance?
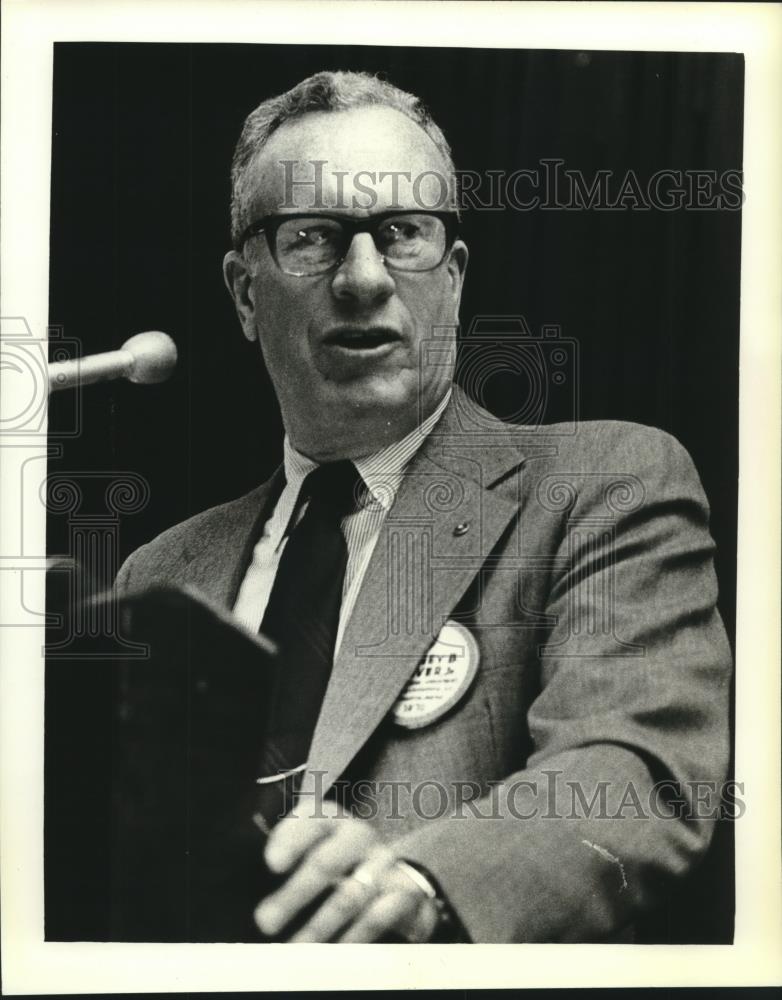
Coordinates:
(408, 242)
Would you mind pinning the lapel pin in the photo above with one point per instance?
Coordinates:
(462, 528)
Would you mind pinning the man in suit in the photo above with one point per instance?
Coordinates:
(522, 679)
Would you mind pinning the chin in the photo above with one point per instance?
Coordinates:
(395, 396)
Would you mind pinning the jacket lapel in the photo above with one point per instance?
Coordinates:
(218, 563)
(445, 522)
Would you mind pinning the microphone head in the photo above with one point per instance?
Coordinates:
(154, 357)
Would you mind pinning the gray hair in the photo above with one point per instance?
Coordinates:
(326, 91)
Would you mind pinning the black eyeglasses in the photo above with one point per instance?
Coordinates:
(307, 245)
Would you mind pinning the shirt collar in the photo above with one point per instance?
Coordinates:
(382, 471)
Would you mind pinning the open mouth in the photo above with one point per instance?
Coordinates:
(362, 338)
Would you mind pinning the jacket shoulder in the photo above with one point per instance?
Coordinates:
(160, 557)
(581, 442)
(649, 452)
(618, 438)
(617, 458)
(204, 524)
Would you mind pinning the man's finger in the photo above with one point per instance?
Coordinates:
(295, 835)
(343, 906)
(301, 888)
(391, 912)
(325, 865)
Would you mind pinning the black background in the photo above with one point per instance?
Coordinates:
(142, 141)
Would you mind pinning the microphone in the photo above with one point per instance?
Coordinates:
(144, 359)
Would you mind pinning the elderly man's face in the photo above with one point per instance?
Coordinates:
(344, 348)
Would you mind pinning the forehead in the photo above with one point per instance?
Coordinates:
(359, 141)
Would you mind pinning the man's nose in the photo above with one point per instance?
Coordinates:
(363, 276)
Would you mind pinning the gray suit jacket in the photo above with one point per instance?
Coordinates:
(545, 800)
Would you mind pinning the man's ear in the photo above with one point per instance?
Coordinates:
(238, 281)
(457, 266)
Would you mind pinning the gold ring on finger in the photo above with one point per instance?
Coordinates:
(365, 877)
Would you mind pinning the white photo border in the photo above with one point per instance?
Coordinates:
(32, 966)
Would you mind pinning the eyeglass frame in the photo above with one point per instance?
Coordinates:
(269, 225)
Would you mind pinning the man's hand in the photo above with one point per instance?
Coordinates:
(369, 896)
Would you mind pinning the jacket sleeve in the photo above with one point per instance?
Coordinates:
(630, 728)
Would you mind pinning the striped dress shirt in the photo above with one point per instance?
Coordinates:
(382, 473)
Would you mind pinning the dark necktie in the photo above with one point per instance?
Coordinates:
(302, 615)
